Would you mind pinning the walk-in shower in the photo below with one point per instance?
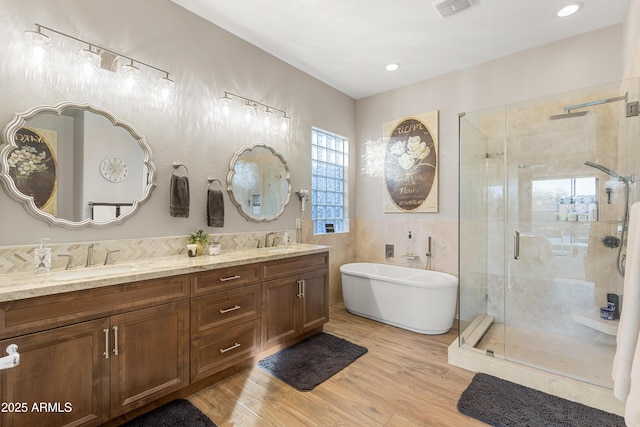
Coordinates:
(533, 269)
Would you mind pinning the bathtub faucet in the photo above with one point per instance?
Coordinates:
(428, 254)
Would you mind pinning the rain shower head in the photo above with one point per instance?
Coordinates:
(631, 107)
(607, 171)
(568, 115)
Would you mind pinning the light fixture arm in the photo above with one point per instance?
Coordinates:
(40, 27)
(255, 103)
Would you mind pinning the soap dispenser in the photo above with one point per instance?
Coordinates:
(411, 252)
(42, 257)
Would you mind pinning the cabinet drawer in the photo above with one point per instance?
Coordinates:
(297, 265)
(221, 310)
(216, 352)
(225, 278)
(45, 312)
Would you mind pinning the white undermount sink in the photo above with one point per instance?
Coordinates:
(90, 272)
(279, 249)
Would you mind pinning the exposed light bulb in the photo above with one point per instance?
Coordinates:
(38, 45)
(267, 118)
(130, 76)
(285, 124)
(392, 67)
(224, 106)
(248, 112)
(167, 87)
(89, 62)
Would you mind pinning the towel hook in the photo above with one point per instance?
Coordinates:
(212, 180)
(176, 166)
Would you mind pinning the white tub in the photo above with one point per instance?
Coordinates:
(421, 301)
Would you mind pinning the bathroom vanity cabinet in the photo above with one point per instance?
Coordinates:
(92, 355)
(225, 318)
(90, 371)
(295, 297)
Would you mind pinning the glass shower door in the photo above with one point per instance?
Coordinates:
(558, 213)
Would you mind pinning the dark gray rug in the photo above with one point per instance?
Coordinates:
(312, 361)
(502, 403)
(179, 412)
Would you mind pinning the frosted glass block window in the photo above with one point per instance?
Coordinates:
(329, 160)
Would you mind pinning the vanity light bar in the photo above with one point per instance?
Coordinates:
(40, 27)
(255, 103)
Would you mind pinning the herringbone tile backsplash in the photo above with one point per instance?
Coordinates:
(19, 259)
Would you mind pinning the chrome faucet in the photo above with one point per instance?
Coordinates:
(109, 259)
(89, 256)
(70, 263)
(266, 239)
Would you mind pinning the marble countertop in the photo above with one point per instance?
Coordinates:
(17, 286)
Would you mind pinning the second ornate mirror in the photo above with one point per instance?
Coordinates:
(258, 183)
(75, 165)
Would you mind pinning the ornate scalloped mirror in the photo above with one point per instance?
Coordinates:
(258, 183)
(75, 165)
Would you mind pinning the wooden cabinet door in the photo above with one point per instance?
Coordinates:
(315, 301)
(62, 378)
(280, 313)
(152, 357)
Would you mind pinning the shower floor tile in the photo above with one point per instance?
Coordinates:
(568, 356)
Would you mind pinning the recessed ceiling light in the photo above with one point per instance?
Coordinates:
(569, 9)
(392, 67)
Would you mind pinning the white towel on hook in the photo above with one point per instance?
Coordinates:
(626, 363)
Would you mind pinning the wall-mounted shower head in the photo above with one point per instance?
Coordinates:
(568, 115)
(607, 171)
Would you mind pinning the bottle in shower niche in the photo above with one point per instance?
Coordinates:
(592, 210)
(411, 251)
(563, 211)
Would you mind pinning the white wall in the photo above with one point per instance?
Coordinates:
(205, 61)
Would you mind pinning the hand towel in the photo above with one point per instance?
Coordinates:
(215, 208)
(101, 213)
(179, 196)
(626, 362)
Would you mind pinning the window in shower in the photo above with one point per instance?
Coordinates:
(329, 160)
(571, 199)
(561, 209)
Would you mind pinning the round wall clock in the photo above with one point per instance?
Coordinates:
(114, 169)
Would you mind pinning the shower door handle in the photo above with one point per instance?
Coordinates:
(516, 244)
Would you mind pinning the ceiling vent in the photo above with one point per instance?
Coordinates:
(448, 7)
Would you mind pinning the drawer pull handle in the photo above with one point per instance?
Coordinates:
(237, 307)
(224, 279)
(224, 350)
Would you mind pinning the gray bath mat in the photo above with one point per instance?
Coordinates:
(502, 403)
(179, 412)
(312, 361)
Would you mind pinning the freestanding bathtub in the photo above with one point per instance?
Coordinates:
(421, 301)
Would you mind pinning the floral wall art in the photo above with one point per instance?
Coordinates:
(411, 164)
(33, 166)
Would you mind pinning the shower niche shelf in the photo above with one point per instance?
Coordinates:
(593, 320)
